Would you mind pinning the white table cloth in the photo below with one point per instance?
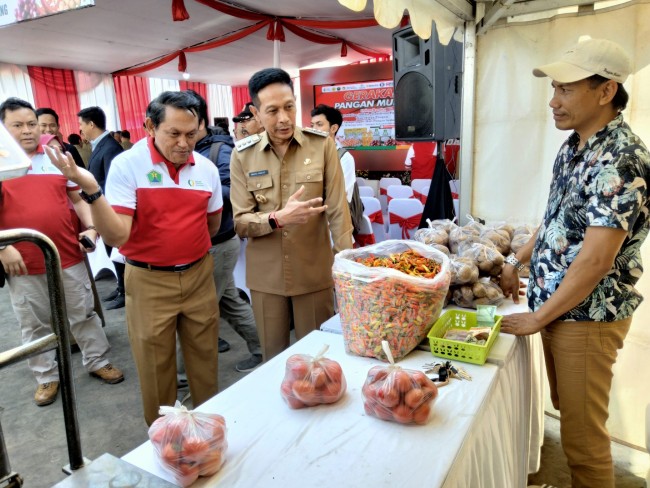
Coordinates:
(340, 446)
(506, 448)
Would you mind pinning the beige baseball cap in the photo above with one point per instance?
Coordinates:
(587, 58)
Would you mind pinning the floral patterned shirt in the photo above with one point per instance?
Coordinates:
(604, 184)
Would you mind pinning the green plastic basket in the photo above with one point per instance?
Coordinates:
(460, 351)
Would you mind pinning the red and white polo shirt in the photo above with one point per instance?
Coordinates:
(39, 200)
(169, 207)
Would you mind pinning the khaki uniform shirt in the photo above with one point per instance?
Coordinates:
(295, 259)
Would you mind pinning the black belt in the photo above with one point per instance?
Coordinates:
(176, 269)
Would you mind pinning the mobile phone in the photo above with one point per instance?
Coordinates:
(87, 243)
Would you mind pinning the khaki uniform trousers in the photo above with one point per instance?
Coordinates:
(273, 314)
(579, 359)
(160, 304)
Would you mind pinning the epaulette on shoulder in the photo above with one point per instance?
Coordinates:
(317, 132)
(249, 141)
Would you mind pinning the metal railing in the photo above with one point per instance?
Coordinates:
(58, 340)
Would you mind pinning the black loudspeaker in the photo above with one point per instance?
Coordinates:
(427, 78)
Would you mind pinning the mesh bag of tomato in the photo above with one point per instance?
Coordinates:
(398, 395)
(189, 444)
(312, 380)
(393, 291)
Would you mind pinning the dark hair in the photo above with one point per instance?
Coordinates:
(74, 139)
(126, 133)
(177, 99)
(332, 115)
(47, 111)
(620, 98)
(264, 78)
(12, 104)
(203, 107)
(95, 115)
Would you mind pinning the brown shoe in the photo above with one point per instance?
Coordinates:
(46, 393)
(109, 373)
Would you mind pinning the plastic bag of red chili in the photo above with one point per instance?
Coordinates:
(392, 291)
(399, 395)
(189, 444)
(312, 380)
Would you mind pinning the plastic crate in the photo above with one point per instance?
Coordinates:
(460, 351)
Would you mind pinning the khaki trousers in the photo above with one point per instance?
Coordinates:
(273, 314)
(160, 304)
(579, 359)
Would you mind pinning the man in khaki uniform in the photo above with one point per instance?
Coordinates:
(286, 187)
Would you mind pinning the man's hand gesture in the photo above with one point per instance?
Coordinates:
(297, 212)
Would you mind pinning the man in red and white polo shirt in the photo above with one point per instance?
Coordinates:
(165, 203)
(39, 200)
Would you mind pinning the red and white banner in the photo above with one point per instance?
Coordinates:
(368, 113)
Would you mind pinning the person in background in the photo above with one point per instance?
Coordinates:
(39, 200)
(83, 148)
(329, 120)
(247, 123)
(48, 120)
(288, 197)
(585, 257)
(165, 204)
(117, 135)
(126, 140)
(217, 145)
(92, 124)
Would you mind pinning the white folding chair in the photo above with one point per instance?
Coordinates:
(384, 183)
(365, 236)
(398, 191)
(421, 189)
(366, 191)
(404, 216)
(361, 181)
(372, 210)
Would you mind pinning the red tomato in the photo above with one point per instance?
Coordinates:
(194, 448)
(318, 377)
(414, 398)
(377, 373)
(388, 395)
(186, 474)
(421, 414)
(403, 414)
(156, 435)
(297, 367)
(304, 391)
(382, 412)
(421, 378)
(169, 455)
(333, 370)
(402, 381)
(289, 397)
(211, 463)
(331, 392)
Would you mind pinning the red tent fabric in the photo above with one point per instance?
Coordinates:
(56, 88)
(132, 95)
(240, 97)
(197, 86)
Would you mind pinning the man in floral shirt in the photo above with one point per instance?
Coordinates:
(585, 257)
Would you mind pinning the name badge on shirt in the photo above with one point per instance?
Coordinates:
(259, 173)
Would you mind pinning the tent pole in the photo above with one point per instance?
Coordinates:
(276, 54)
(466, 173)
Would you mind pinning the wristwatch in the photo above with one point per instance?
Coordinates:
(273, 221)
(92, 197)
(515, 262)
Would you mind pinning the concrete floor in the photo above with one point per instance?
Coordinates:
(111, 421)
